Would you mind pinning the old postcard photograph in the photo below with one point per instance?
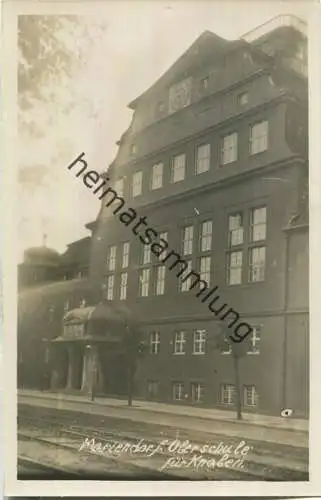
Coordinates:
(158, 338)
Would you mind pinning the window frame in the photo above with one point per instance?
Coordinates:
(154, 343)
(231, 392)
(202, 160)
(255, 338)
(111, 258)
(230, 267)
(189, 241)
(144, 272)
(227, 156)
(181, 342)
(137, 175)
(252, 266)
(200, 392)
(185, 284)
(206, 236)
(208, 269)
(255, 140)
(110, 288)
(154, 187)
(174, 168)
(123, 286)
(181, 386)
(160, 283)
(254, 396)
(200, 342)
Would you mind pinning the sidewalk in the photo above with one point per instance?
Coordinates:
(210, 414)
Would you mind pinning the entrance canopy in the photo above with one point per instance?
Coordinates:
(102, 322)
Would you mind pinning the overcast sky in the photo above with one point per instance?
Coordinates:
(141, 42)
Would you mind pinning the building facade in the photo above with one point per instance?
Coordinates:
(216, 160)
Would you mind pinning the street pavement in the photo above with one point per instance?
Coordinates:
(271, 429)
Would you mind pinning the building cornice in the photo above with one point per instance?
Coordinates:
(283, 97)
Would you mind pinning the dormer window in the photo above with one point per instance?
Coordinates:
(243, 98)
(133, 149)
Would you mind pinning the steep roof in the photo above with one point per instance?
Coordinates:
(207, 46)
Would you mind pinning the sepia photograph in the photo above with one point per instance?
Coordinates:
(162, 325)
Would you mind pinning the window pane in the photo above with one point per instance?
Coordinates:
(259, 137)
(257, 264)
(235, 268)
(205, 269)
(137, 184)
(227, 393)
(144, 283)
(160, 280)
(229, 149)
(186, 283)
(178, 168)
(123, 286)
(111, 258)
(206, 236)
(258, 224)
(188, 240)
(157, 176)
(250, 395)
(202, 158)
(119, 187)
(125, 259)
(236, 230)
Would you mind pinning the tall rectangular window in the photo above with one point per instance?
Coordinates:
(125, 256)
(157, 176)
(144, 282)
(235, 229)
(164, 236)
(254, 341)
(206, 236)
(178, 168)
(258, 224)
(202, 159)
(146, 254)
(137, 185)
(119, 187)
(186, 283)
(257, 264)
(178, 391)
(197, 392)
(229, 149)
(259, 137)
(123, 286)
(179, 342)
(110, 287)
(227, 394)
(235, 268)
(199, 342)
(154, 342)
(188, 234)
(111, 258)
(160, 280)
(250, 395)
(205, 269)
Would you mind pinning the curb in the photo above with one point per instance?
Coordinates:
(138, 408)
